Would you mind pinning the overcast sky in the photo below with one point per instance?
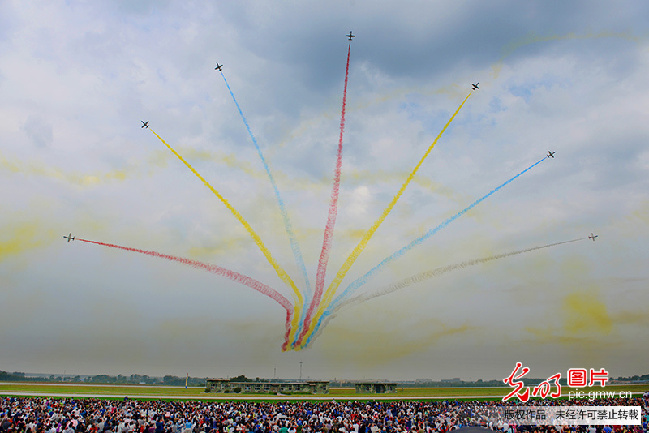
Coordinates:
(76, 79)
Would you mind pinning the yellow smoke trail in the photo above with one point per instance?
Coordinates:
(351, 177)
(19, 237)
(281, 273)
(55, 173)
(227, 159)
(156, 158)
(361, 177)
(331, 290)
(401, 92)
(533, 38)
(407, 282)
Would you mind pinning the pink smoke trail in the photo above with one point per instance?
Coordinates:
(232, 275)
(330, 314)
(331, 221)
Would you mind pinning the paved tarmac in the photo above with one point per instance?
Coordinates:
(320, 397)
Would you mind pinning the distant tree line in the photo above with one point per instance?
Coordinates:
(133, 379)
(447, 383)
(17, 376)
(243, 378)
(636, 378)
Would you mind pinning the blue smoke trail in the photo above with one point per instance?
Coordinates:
(362, 280)
(287, 222)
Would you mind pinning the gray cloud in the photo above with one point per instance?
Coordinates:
(38, 131)
(77, 79)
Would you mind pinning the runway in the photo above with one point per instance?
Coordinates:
(321, 397)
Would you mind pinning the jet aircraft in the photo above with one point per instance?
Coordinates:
(551, 154)
(350, 36)
(145, 124)
(218, 67)
(592, 236)
(69, 237)
(475, 86)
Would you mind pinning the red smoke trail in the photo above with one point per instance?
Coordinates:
(333, 212)
(281, 273)
(232, 275)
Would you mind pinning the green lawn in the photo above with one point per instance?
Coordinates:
(342, 393)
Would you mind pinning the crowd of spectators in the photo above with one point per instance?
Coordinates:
(50, 415)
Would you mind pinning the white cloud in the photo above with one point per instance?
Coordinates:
(75, 81)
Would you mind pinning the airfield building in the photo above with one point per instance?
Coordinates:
(375, 387)
(310, 387)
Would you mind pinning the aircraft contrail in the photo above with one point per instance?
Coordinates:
(281, 273)
(442, 270)
(331, 220)
(295, 246)
(330, 314)
(227, 273)
(362, 280)
(331, 290)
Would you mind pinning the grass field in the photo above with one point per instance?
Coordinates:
(139, 391)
